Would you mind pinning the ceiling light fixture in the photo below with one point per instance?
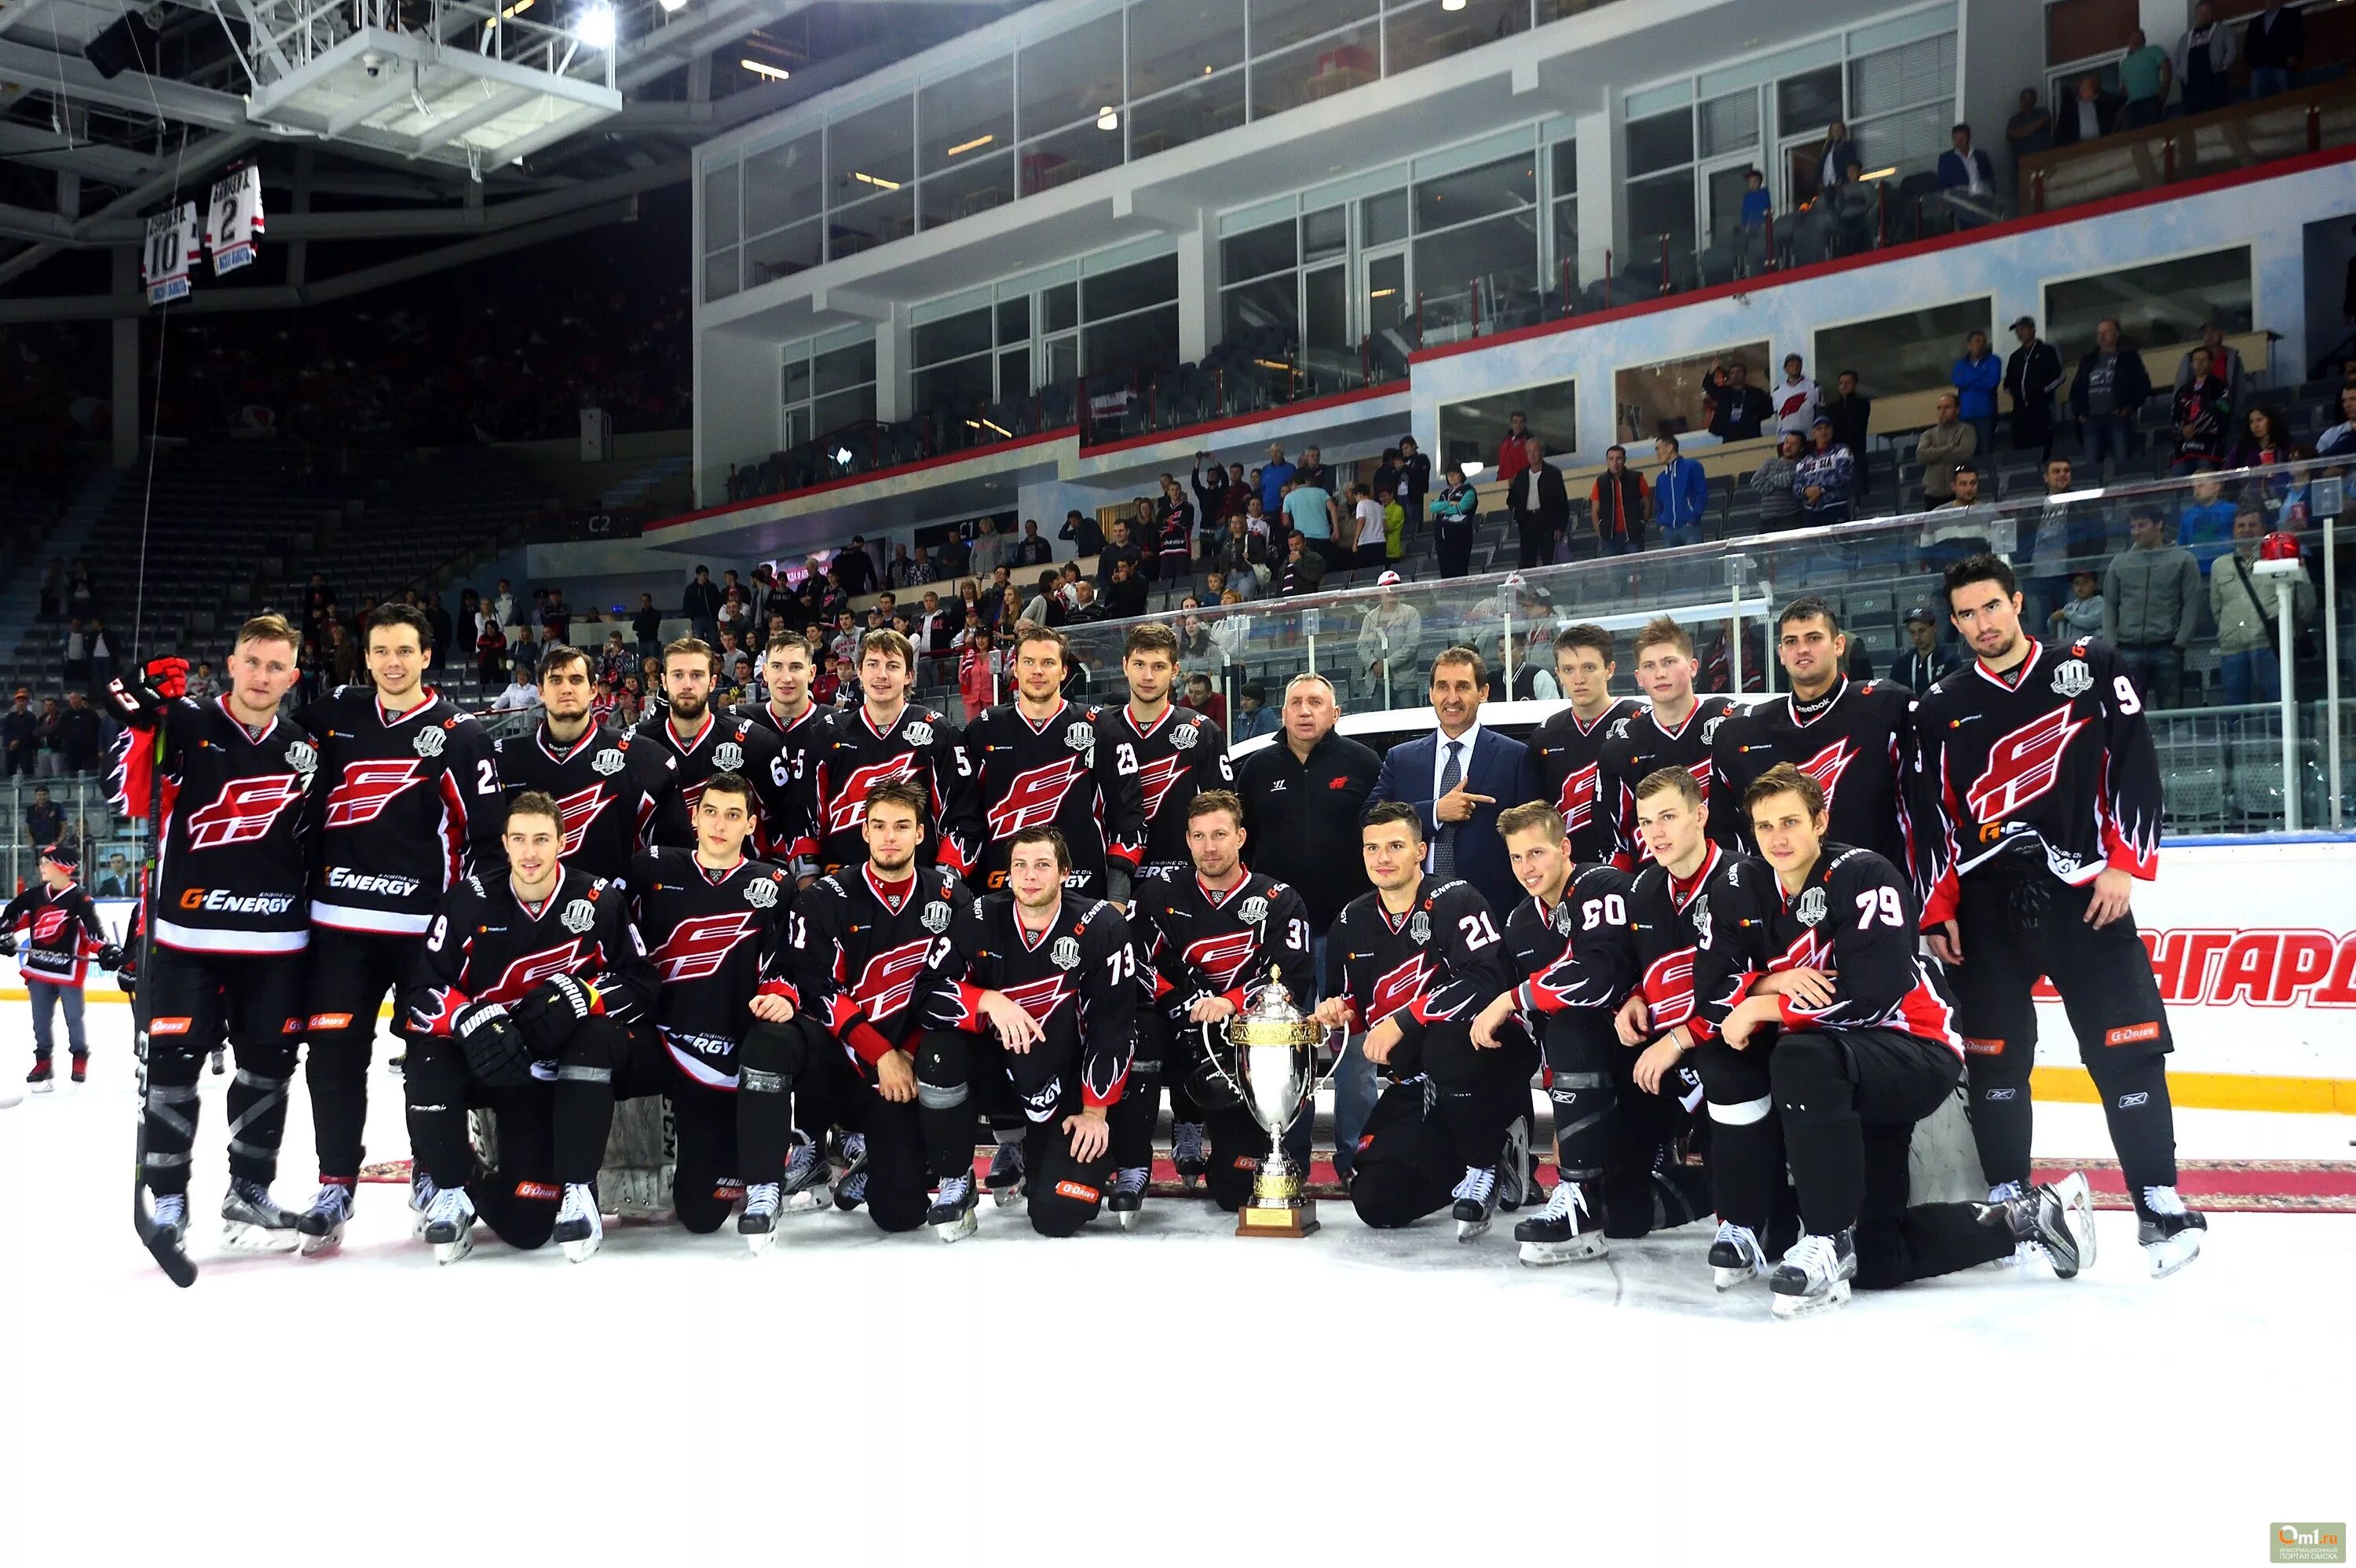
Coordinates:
(981, 141)
(1879, 173)
(775, 73)
(672, 7)
(595, 27)
(1107, 119)
(1451, 4)
(878, 181)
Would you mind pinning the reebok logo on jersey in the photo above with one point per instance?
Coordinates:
(1395, 990)
(1032, 797)
(368, 787)
(1576, 802)
(1223, 957)
(1154, 778)
(245, 810)
(847, 806)
(696, 948)
(2131, 1034)
(1040, 997)
(886, 986)
(579, 811)
(2023, 765)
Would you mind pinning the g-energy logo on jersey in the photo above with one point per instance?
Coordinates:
(2023, 765)
(1040, 997)
(368, 787)
(846, 808)
(1154, 778)
(580, 810)
(1576, 802)
(889, 980)
(245, 810)
(1032, 797)
(1223, 957)
(1398, 988)
(696, 948)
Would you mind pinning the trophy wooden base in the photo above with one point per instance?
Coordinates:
(1293, 1220)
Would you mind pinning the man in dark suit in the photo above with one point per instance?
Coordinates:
(1460, 777)
(1540, 505)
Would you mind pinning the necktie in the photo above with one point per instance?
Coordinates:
(1443, 851)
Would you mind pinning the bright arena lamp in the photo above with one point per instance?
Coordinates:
(595, 27)
(671, 6)
(1473, 470)
(1107, 119)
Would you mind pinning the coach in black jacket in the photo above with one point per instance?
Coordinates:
(1540, 505)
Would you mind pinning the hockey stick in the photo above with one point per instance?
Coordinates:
(167, 1252)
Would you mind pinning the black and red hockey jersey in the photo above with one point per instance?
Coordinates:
(798, 740)
(1440, 958)
(232, 868)
(1671, 921)
(1082, 961)
(850, 756)
(1638, 746)
(487, 945)
(1204, 944)
(1174, 759)
(405, 805)
(716, 939)
(1053, 775)
(1856, 741)
(731, 744)
(862, 953)
(1568, 755)
(615, 794)
(61, 932)
(1581, 952)
(2056, 748)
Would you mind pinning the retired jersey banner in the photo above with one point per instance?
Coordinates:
(233, 220)
(171, 253)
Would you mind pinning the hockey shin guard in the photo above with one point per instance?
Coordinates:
(1823, 1134)
(257, 1110)
(171, 1115)
(944, 1102)
(767, 1063)
(2142, 1120)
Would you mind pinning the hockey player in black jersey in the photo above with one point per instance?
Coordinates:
(517, 1004)
(888, 737)
(1039, 985)
(2039, 803)
(1855, 738)
(1856, 1042)
(1411, 963)
(1568, 748)
(231, 925)
(704, 744)
(1176, 754)
(785, 670)
(407, 804)
(62, 934)
(618, 792)
(1213, 934)
(1675, 730)
(1036, 763)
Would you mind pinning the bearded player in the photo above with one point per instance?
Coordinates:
(618, 793)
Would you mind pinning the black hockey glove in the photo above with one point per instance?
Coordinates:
(551, 1010)
(7, 946)
(111, 956)
(139, 701)
(495, 1049)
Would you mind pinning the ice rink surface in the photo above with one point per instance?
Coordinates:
(1169, 1398)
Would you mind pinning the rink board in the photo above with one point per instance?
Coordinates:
(2254, 943)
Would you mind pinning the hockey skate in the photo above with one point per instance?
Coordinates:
(1126, 1202)
(952, 1217)
(1005, 1177)
(808, 1174)
(1476, 1201)
(172, 1219)
(81, 1069)
(2057, 1220)
(759, 1224)
(221, 1060)
(1813, 1275)
(322, 1224)
(251, 1220)
(43, 1077)
(1566, 1230)
(851, 1189)
(421, 1203)
(1516, 1180)
(580, 1229)
(1186, 1153)
(1735, 1257)
(2172, 1237)
(449, 1224)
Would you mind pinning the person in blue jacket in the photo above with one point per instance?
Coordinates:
(1680, 495)
(1976, 376)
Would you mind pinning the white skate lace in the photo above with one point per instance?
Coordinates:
(422, 1194)
(1479, 1183)
(761, 1198)
(1740, 1238)
(1564, 1201)
(855, 1147)
(804, 1165)
(2163, 1201)
(1186, 1142)
(1815, 1256)
(449, 1207)
(2007, 1192)
(953, 1190)
(1130, 1180)
(333, 1199)
(855, 1187)
(172, 1210)
(1008, 1160)
(577, 1203)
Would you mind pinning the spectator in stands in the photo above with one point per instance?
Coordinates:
(102, 651)
(854, 567)
(2205, 526)
(2248, 612)
(201, 684)
(646, 626)
(47, 760)
(1756, 203)
(2068, 531)
(1315, 470)
(615, 663)
(82, 734)
(53, 590)
(18, 731)
(2030, 130)
(1680, 494)
(1365, 524)
(118, 882)
(1125, 595)
(82, 590)
(1616, 504)
(1741, 407)
(1193, 632)
(1030, 549)
(1836, 161)
(2273, 43)
(2033, 372)
(77, 651)
(2144, 76)
(1414, 482)
(556, 615)
(2266, 443)
(1540, 505)
(923, 569)
(700, 604)
(490, 652)
(2080, 614)
(44, 822)
(2090, 115)
(1117, 550)
(2205, 57)
(1976, 376)
(1210, 498)
(1779, 502)
(1390, 636)
(1795, 399)
(1851, 412)
(1241, 555)
(2202, 413)
(1825, 477)
(340, 657)
(1087, 608)
(1231, 632)
(520, 694)
(735, 615)
(1967, 179)
(1202, 699)
(1274, 475)
(1313, 513)
(1513, 451)
(1924, 664)
(2110, 386)
(1304, 569)
(2151, 603)
(1174, 532)
(502, 605)
(989, 548)
(896, 569)
(1253, 715)
(1452, 526)
(2224, 363)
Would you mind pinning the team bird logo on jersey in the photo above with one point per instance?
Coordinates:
(2023, 765)
(244, 811)
(1155, 778)
(1576, 802)
(1034, 798)
(579, 811)
(49, 925)
(368, 787)
(1040, 997)
(1395, 990)
(890, 979)
(696, 948)
(1827, 765)
(847, 809)
(1668, 987)
(1222, 957)
(529, 970)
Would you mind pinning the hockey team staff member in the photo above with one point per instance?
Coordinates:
(1036, 762)
(617, 792)
(786, 669)
(866, 942)
(1411, 963)
(1856, 1043)
(408, 804)
(1856, 738)
(230, 924)
(705, 743)
(2039, 806)
(888, 737)
(1675, 730)
(1569, 746)
(1044, 997)
(1215, 935)
(61, 932)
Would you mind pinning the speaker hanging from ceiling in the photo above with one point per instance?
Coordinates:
(128, 44)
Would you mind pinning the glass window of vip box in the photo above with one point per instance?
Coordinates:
(1258, 269)
(966, 351)
(2156, 302)
(1470, 431)
(1128, 316)
(829, 383)
(1667, 397)
(869, 177)
(1909, 351)
(1068, 103)
(722, 227)
(1476, 241)
(1185, 73)
(965, 146)
(783, 199)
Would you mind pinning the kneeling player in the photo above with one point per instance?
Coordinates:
(1859, 1046)
(1042, 988)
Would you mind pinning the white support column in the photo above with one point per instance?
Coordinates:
(130, 411)
(892, 364)
(1198, 287)
(1602, 155)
